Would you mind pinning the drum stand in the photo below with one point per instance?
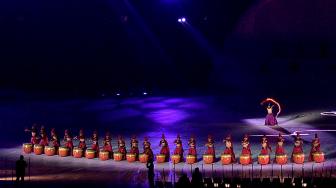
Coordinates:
(29, 169)
(174, 173)
(260, 173)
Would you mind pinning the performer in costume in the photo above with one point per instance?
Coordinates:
(164, 147)
(107, 145)
(298, 145)
(34, 139)
(246, 147)
(145, 143)
(265, 147)
(192, 146)
(81, 137)
(54, 139)
(179, 148)
(315, 147)
(68, 140)
(44, 138)
(229, 148)
(122, 147)
(134, 147)
(280, 149)
(270, 118)
(147, 149)
(210, 147)
(95, 144)
(52, 133)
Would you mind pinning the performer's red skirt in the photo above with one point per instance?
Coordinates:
(246, 151)
(192, 151)
(280, 150)
(229, 151)
(210, 151)
(178, 151)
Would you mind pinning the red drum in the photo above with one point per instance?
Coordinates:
(191, 159)
(208, 159)
(63, 151)
(245, 159)
(143, 158)
(131, 157)
(298, 158)
(38, 149)
(49, 150)
(104, 155)
(281, 159)
(263, 159)
(176, 159)
(27, 148)
(318, 157)
(160, 158)
(117, 156)
(90, 153)
(226, 159)
(77, 152)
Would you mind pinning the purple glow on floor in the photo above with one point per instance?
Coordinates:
(168, 116)
(192, 105)
(119, 114)
(175, 100)
(154, 105)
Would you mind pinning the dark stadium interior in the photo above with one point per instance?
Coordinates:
(133, 67)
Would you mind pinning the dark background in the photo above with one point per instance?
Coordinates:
(269, 47)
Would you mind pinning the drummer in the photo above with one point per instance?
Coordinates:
(179, 148)
(229, 148)
(122, 147)
(52, 133)
(298, 145)
(107, 145)
(246, 146)
(44, 138)
(265, 147)
(192, 146)
(134, 147)
(315, 147)
(34, 138)
(164, 147)
(94, 139)
(54, 139)
(68, 140)
(81, 137)
(146, 143)
(210, 146)
(280, 149)
(147, 149)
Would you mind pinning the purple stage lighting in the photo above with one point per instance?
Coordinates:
(179, 20)
(183, 19)
(144, 93)
(118, 94)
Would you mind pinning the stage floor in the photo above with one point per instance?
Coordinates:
(152, 116)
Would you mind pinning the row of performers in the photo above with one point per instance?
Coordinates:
(165, 152)
(43, 141)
